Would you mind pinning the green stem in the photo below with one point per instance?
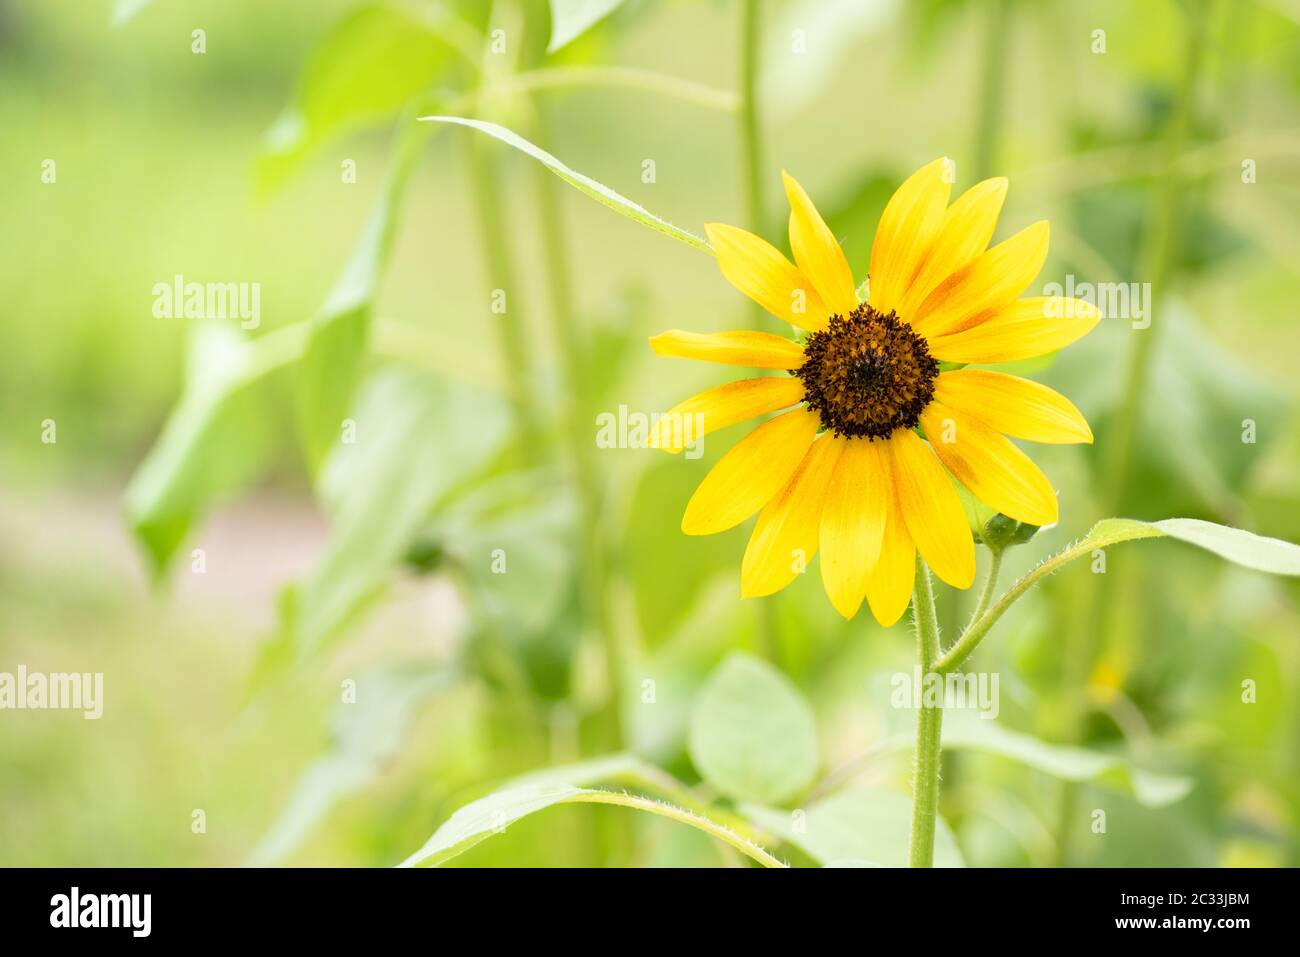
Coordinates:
(501, 275)
(991, 84)
(751, 146)
(929, 727)
(594, 578)
(990, 585)
(1159, 259)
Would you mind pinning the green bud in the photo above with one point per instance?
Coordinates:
(1001, 532)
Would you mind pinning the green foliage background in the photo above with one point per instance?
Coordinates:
(328, 564)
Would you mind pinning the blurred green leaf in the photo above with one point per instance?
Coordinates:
(585, 184)
(215, 439)
(368, 65)
(338, 335)
(965, 730)
(752, 734)
(572, 18)
(855, 828)
(367, 735)
(415, 439)
(514, 540)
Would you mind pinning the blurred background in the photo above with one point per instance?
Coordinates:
(238, 578)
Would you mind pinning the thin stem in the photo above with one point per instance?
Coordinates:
(992, 83)
(751, 146)
(990, 585)
(929, 727)
(1161, 246)
(604, 77)
(594, 585)
(501, 276)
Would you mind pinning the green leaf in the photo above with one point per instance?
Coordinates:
(966, 730)
(479, 820)
(368, 734)
(572, 18)
(1236, 545)
(867, 828)
(368, 65)
(752, 733)
(597, 191)
(514, 540)
(215, 439)
(415, 439)
(338, 335)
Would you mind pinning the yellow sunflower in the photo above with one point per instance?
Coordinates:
(860, 465)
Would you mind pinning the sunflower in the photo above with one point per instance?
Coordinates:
(880, 411)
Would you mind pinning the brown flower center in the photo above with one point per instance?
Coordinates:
(867, 374)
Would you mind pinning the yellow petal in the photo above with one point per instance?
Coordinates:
(992, 279)
(932, 510)
(757, 268)
(818, 252)
(1020, 330)
(890, 587)
(907, 229)
(786, 533)
(987, 463)
(747, 477)
(689, 421)
(853, 522)
(1013, 406)
(759, 350)
(967, 228)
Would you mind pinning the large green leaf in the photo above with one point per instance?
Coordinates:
(368, 734)
(479, 820)
(215, 439)
(572, 18)
(338, 335)
(597, 191)
(858, 828)
(752, 733)
(415, 439)
(367, 66)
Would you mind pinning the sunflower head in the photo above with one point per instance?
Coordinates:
(860, 464)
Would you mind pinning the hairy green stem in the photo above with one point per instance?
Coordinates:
(990, 585)
(929, 727)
